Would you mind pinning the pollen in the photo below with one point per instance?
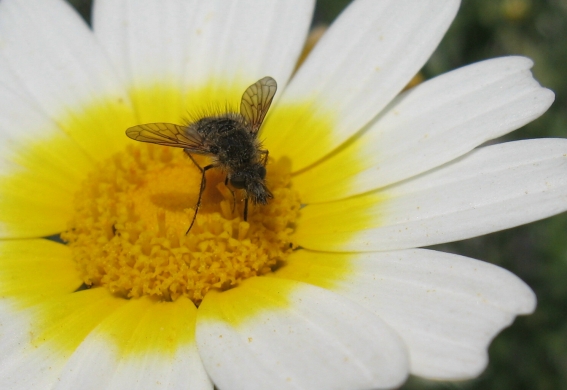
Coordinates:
(128, 233)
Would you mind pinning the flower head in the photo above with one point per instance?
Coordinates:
(323, 286)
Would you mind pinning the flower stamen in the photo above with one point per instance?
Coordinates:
(131, 215)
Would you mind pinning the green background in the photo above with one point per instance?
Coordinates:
(532, 353)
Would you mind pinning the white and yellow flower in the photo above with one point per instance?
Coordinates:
(323, 287)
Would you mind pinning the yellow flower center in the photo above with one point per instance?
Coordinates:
(132, 213)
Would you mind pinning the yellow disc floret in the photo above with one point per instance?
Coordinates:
(132, 213)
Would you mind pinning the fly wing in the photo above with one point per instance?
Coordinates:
(256, 102)
(168, 134)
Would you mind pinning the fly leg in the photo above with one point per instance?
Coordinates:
(202, 186)
(232, 192)
(246, 209)
(264, 154)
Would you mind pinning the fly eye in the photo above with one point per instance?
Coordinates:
(238, 181)
(261, 171)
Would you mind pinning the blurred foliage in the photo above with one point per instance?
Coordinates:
(532, 354)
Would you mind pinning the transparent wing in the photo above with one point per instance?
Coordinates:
(168, 134)
(256, 101)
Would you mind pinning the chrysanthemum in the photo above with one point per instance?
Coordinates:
(320, 289)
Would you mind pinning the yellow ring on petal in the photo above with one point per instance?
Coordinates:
(133, 210)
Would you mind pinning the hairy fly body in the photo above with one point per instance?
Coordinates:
(230, 139)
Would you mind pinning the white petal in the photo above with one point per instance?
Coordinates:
(15, 331)
(59, 63)
(446, 308)
(490, 189)
(303, 338)
(365, 58)
(9, 79)
(94, 366)
(144, 38)
(430, 125)
(194, 42)
(31, 272)
(47, 335)
(103, 362)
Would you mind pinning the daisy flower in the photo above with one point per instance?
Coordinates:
(323, 287)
